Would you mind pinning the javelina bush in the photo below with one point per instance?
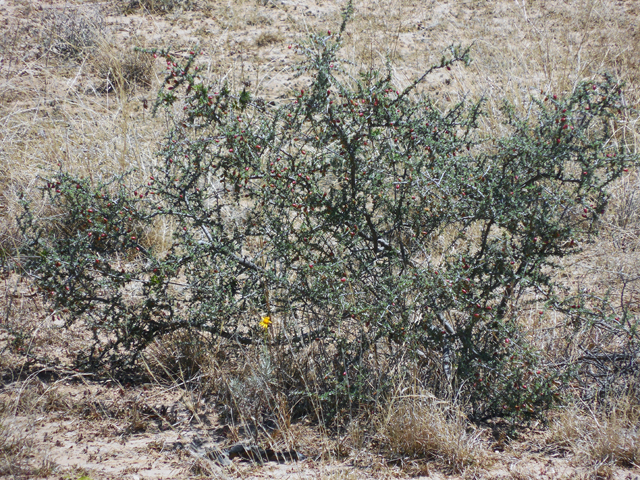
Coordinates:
(373, 226)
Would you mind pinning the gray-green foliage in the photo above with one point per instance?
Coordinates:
(375, 227)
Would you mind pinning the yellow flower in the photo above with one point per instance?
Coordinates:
(265, 322)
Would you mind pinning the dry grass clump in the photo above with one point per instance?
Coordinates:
(257, 19)
(122, 69)
(605, 437)
(247, 392)
(15, 448)
(245, 387)
(157, 6)
(268, 38)
(33, 396)
(49, 117)
(71, 33)
(424, 427)
(624, 211)
(339, 475)
(180, 356)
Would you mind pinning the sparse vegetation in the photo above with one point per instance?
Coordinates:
(258, 336)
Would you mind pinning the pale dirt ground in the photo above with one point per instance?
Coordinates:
(54, 110)
(106, 431)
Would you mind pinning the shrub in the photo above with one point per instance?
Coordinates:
(377, 229)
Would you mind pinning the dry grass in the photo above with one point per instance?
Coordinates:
(71, 33)
(122, 70)
(268, 38)
(180, 357)
(158, 7)
(602, 437)
(15, 449)
(424, 427)
(18, 458)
